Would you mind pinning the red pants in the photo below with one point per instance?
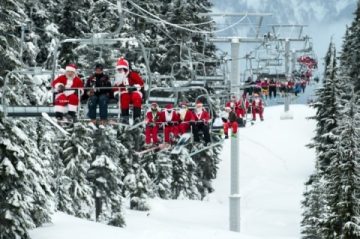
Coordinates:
(259, 111)
(151, 133)
(126, 98)
(233, 125)
(183, 128)
(170, 129)
(240, 113)
(62, 100)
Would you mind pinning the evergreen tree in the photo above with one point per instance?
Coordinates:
(327, 114)
(327, 110)
(25, 196)
(76, 157)
(343, 188)
(185, 182)
(12, 16)
(353, 42)
(106, 175)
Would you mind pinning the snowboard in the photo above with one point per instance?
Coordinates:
(54, 123)
(184, 140)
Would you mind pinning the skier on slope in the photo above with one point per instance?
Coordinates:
(129, 85)
(152, 122)
(202, 120)
(170, 119)
(67, 89)
(257, 107)
(230, 121)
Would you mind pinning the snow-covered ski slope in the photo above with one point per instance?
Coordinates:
(274, 165)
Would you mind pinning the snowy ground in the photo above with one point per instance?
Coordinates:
(274, 164)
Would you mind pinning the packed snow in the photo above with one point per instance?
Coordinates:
(274, 164)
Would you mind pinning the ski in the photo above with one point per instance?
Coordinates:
(184, 139)
(158, 148)
(54, 123)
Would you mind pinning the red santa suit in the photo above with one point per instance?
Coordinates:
(171, 119)
(230, 121)
(152, 120)
(185, 116)
(124, 80)
(257, 107)
(68, 100)
(202, 119)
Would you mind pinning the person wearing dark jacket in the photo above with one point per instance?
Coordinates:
(97, 95)
(230, 121)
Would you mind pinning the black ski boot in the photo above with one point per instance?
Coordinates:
(136, 114)
(72, 117)
(59, 116)
(125, 116)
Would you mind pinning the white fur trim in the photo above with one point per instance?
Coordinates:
(72, 107)
(168, 116)
(69, 92)
(117, 92)
(60, 108)
(70, 68)
(58, 84)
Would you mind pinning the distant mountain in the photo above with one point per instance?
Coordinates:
(293, 11)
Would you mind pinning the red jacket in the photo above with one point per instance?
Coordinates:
(202, 116)
(75, 83)
(174, 117)
(257, 103)
(134, 79)
(187, 117)
(153, 118)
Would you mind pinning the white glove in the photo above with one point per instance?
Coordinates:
(138, 87)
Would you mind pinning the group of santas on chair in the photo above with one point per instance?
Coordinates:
(127, 88)
(235, 112)
(176, 122)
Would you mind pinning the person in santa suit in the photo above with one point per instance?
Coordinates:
(171, 121)
(186, 117)
(67, 101)
(242, 108)
(152, 122)
(257, 107)
(202, 119)
(230, 121)
(128, 84)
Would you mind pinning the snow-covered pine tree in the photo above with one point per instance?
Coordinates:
(76, 156)
(25, 196)
(313, 205)
(342, 187)
(72, 23)
(207, 165)
(162, 175)
(327, 116)
(11, 17)
(327, 109)
(185, 181)
(106, 175)
(353, 42)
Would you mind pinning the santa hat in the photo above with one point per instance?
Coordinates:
(154, 105)
(122, 64)
(227, 108)
(169, 106)
(199, 103)
(71, 67)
